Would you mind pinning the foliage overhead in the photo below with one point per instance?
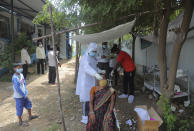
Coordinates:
(110, 13)
(43, 17)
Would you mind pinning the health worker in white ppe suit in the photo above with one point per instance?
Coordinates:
(87, 76)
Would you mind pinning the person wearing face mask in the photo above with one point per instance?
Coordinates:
(21, 94)
(25, 59)
(124, 59)
(40, 56)
(87, 76)
(103, 58)
(102, 101)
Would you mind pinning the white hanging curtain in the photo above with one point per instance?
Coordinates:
(107, 35)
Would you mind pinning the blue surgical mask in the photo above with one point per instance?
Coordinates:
(20, 70)
(92, 54)
(104, 46)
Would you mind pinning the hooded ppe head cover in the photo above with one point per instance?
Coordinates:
(86, 75)
(92, 47)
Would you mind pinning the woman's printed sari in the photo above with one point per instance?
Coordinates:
(102, 100)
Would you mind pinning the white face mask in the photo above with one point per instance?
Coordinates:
(20, 70)
(40, 45)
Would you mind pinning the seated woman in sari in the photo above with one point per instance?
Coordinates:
(102, 101)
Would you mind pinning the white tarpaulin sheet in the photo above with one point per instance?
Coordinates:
(107, 35)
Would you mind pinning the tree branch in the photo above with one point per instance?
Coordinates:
(190, 29)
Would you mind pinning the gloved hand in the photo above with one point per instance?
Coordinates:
(112, 73)
(130, 99)
(98, 76)
(119, 69)
(102, 72)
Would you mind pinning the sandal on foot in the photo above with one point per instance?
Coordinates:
(32, 117)
(23, 124)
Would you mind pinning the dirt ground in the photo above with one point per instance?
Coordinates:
(44, 98)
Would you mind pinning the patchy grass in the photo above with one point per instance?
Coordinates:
(6, 78)
(53, 127)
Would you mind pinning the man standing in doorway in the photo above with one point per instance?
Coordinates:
(127, 63)
(40, 56)
(25, 59)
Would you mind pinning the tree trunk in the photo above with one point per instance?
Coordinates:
(133, 47)
(120, 42)
(78, 54)
(57, 71)
(180, 39)
(77, 61)
(162, 45)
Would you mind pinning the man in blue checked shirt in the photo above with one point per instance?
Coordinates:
(21, 94)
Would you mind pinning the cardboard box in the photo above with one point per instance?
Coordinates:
(149, 125)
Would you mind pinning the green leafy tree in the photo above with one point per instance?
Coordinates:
(110, 12)
(59, 17)
(20, 41)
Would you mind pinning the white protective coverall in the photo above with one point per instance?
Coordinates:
(86, 75)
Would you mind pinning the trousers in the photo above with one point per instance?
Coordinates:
(52, 74)
(128, 82)
(85, 108)
(25, 70)
(40, 64)
(116, 76)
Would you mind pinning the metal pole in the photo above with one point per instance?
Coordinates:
(12, 32)
(57, 71)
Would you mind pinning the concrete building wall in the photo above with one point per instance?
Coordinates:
(147, 56)
(186, 61)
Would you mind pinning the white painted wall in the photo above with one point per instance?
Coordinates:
(147, 56)
(186, 61)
